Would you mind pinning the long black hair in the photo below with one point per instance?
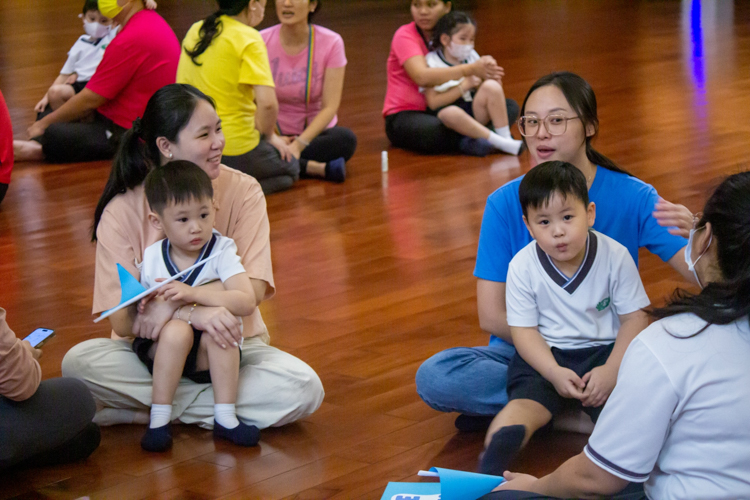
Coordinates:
(582, 99)
(168, 111)
(211, 27)
(726, 301)
(448, 25)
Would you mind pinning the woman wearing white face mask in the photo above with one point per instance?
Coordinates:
(468, 104)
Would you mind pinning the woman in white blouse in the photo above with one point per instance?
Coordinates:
(678, 420)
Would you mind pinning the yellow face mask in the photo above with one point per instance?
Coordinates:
(109, 8)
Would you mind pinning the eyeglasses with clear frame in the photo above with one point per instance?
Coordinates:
(554, 124)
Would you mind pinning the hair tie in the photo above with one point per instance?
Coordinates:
(137, 127)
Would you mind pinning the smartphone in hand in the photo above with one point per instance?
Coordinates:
(39, 337)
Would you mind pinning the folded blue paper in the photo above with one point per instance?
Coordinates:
(454, 485)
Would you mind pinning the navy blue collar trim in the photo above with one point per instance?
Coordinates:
(189, 278)
(570, 285)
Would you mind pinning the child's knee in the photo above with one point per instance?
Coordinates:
(450, 113)
(60, 92)
(492, 87)
(176, 333)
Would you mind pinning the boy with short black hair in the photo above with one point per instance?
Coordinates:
(180, 196)
(83, 59)
(574, 300)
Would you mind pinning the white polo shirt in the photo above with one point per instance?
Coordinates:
(679, 417)
(85, 55)
(577, 312)
(158, 264)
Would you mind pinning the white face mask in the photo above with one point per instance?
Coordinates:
(96, 30)
(460, 52)
(689, 251)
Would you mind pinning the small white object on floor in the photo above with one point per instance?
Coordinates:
(384, 161)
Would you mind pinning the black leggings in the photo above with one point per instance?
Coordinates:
(332, 143)
(51, 427)
(423, 132)
(3, 190)
(81, 141)
(265, 164)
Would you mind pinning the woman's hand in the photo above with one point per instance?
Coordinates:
(515, 481)
(36, 353)
(296, 148)
(41, 104)
(677, 218)
(486, 68)
(219, 323)
(281, 146)
(599, 385)
(36, 130)
(155, 314)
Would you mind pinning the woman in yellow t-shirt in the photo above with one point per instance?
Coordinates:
(225, 57)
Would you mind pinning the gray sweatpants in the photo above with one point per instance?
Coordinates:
(52, 426)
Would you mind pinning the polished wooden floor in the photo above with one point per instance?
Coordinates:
(374, 275)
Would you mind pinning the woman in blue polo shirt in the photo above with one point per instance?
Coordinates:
(558, 122)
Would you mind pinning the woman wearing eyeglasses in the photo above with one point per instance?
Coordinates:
(677, 419)
(558, 122)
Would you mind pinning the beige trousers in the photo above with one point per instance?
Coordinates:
(275, 388)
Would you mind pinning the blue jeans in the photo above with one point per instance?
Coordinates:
(470, 380)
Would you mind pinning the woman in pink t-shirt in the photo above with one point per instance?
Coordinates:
(408, 124)
(309, 89)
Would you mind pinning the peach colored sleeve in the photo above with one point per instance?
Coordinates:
(251, 232)
(113, 246)
(20, 373)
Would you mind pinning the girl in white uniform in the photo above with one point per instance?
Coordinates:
(677, 420)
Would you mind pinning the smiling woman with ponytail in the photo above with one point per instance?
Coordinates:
(225, 57)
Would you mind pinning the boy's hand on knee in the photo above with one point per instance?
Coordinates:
(600, 382)
(567, 383)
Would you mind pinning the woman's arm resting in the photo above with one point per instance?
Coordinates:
(579, 477)
(416, 67)
(237, 295)
(491, 307)
(437, 100)
(76, 108)
(333, 87)
(267, 109)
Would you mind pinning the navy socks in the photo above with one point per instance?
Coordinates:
(242, 435)
(505, 445)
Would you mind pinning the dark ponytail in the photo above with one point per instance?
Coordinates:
(211, 27)
(582, 99)
(726, 301)
(168, 111)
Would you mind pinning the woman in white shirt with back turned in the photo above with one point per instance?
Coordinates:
(678, 419)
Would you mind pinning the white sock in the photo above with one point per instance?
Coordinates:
(161, 415)
(510, 146)
(504, 132)
(226, 416)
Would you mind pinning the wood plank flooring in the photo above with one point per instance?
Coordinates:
(374, 275)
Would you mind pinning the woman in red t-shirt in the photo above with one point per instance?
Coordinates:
(140, 60)
(6, 147)
(407, 123)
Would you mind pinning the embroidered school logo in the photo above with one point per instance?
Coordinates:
(602, 305)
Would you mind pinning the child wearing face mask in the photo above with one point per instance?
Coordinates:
(83, 59)
(469, 104)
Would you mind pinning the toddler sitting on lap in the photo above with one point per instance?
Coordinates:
(180, 197)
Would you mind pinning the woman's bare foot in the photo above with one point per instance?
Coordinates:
(27, 151)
